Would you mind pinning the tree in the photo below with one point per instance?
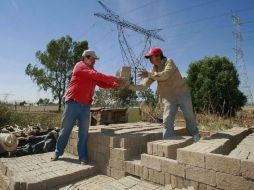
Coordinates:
(103, 98)
(123, 97)
(44, 101)
(22, 103)
(57, 62)
(114, 97)
(149, 98)
(214, 86)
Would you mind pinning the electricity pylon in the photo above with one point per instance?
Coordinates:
(130, 58)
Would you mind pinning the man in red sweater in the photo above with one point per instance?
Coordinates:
(78, 99)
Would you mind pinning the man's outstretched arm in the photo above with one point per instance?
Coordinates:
(142, 87)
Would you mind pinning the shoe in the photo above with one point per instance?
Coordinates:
(196, 138)
(83, 162)
(54, 158)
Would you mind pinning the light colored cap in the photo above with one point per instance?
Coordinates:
(89, 52)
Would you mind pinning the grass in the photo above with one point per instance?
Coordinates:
(23, 119)
(207, 122)
(243, 118)
(44, 119)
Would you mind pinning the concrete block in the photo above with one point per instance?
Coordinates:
(150, 174)
(117, 174)
(177, 182)
(162, 178)
(192, 185)
(167, 177)
(208, 187)
(201, 175)
(138, 170)
(117, 164)
(150, 148)
(150, 161)
(223, 163)
(247, 169)
(145, 173)
(119, 153)
(156, 176)
(232, 182)
(172, 167)
(202, 186)
(125, 72)
(191, 157)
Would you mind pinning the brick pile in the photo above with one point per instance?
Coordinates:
(224, 160)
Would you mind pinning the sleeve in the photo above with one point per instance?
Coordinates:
(102, 78)
(142, 87)
(165, 74)
(105, 85)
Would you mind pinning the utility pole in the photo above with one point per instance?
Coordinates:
(239, 59)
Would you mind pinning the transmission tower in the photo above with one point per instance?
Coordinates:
(5, 95)
(130, 58)
(239, 58)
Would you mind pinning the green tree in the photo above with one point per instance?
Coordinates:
(114, 98)
(149, 98)
(214, 86)
(57, 62)
(103, 98)
(22, 103)
(123, 97)
(44, 101)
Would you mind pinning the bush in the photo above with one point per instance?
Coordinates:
(214, 86)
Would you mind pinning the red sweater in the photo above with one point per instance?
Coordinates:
(83, 82)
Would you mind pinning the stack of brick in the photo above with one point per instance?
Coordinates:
(38, 172)
(160, 166)
(208, 164)
(202, 165)
(109, 147)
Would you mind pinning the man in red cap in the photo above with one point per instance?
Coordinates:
(172, 90)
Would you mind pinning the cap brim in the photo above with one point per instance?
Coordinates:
(95, 57)
(147, 56)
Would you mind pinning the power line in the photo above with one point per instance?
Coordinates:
(248, 22)
(139, 7)
(205, 19)
(86, 31)
(177, 11)
(104, 37)
(248, 31)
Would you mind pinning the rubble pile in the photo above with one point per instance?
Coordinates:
(18, 141)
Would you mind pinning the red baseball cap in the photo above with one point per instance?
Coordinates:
(154, 51)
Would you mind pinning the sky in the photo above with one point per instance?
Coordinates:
(192, 29)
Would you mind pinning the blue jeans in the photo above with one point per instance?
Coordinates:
(185, 103)
(74, 111)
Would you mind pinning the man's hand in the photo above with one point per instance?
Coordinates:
(143, 73)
